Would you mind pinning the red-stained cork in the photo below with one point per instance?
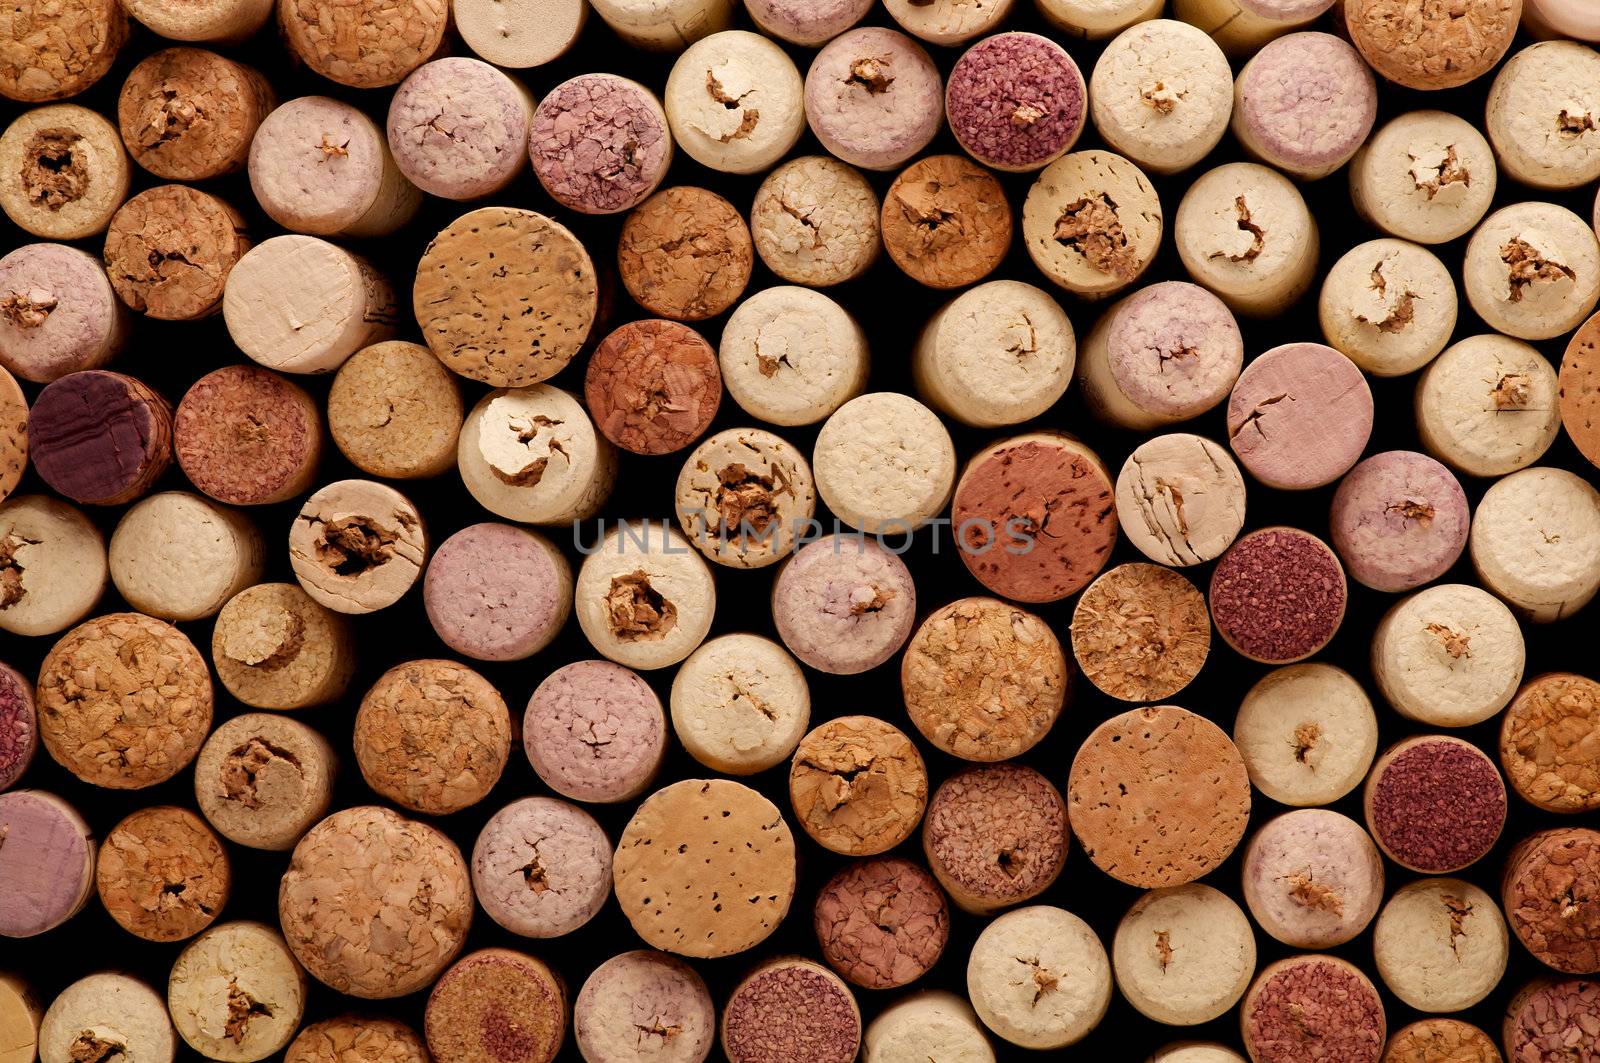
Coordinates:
(1436, 804)
(247, 436)
(19, 725)
(100, 438)
(497, 1006)
(1016, 100)
(653, 387)
(996, 836)
(791, 1010)
(599, 143)
(1278, 595)
(882, 922)
(1313, 1008)
(1554, 1022)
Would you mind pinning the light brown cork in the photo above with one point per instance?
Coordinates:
(357, 1039)
(162, 874)
(395, 411)
(67, 172)
(169, 251)
(50, 50)
(1141, 632)
(248, 436)
(945, 221)
(1432, 44)
(365, 44)
(1550, 743)
(274, 647)
(685, 254)
(264, 779)
(213, 21)
(13, 446)
(187, 114)
(20, 1014)
(858, 785)
(357, 546)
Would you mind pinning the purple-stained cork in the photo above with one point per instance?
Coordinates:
(100, 438)
(1436, 805)
(1305, 103)
(495, 592)
(1299, 416)
(600, 143)
(791, 1010)
(541, 867)
(644, 1005)
(1399, 520)
(1278, 595)
(46, 863)
(1016, 101)
(19, 724)
(58, 312)
(1173, 350)
(873, 98)
(1554, 1022)
(882, 922)
(844, 604)
(458, 128)
(595, 731)
(1313, 1008)
(496, 1006)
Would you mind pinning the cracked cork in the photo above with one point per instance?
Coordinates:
(1550, 743)
(357, 546)
(264, 779)
(858, 785)
(595, 731)
(169, 251)
(364, 43)
(162, 874)
(882, 922)
(187, 114)
(236, 994)
(653, 387)
(945, 222)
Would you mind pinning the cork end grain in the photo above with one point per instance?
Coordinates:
(791, 1009)
(1441, 1041)
(1435, 804)
(945, 222)
(236, 994)
(1039, 978)
(645, 1004)
(1278, 595)
(1432, 45)
(541, 867)
(594, 731)
(815, 222)
(1310, 1004)
(685, 254)
(162, 874)
(247, 436)
(497, 1006)
(187, 114)
(365, 44)
(395, 411)
(858, 785)
(1579, 389)
(1180, 499)
(1550, 743)
(46, 865)
(169, 251)
(357, 546)
(1141, 632)
(600, 143)
(59, 50)
(274, 647)
(264, 779)
(1016, 100)
(1551, 896)
(653, 387)
(996, 836)
(1548, 1020)
(19, 722)
(357, 1039)
(882, 923)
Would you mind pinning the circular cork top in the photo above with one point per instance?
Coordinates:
(13, 434)
(357, 1039)
(274, 647)
(1092, 222)
(599, 143)
(685, 254)
(653, 387)
(373, 904)
(1173, 349)
(872, 97)
(594, 731)
(505, 296)
(59, 313)
(364, 43)
(984, 680)
(1579, 389)
(744, 497)
(1441, 1041)
(1159, 796)
(124, 701)
(357, 546)
(1278, 595)
(541, 867)
(169, 251)
(996, 835)
(1305, 102)
(187, 114)
(319, 166)
(1184, 955)
(99, 438)
(1300, 416)
(55, 50)
(247, 436)
(395, 411)
(1441, 944)
(1432, 44)
(1435, 804)
(734, 98)
(1016, 100)
(162, 874)
(1308, 1004)
(19, 725)
(457, 127)
(882, 923)
(263, 779)
(844, 605)
(791, 1009)
(644, 1002)
(497, 592)
(1141, 632)
(1552, 898)
(946, 222)
(1039, 977)
(1312, 878)
(1399, 520)
(1180, 499)
(497, 1006)
(1550, 743)
(858, 785)
(815, 221)
(72, 171)
(432, 736)
(47, 865)
(1307, 733)
(1548, 1018)
(236, 994)
(52, 565)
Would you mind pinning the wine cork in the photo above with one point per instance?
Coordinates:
(1184, 955)
(46, 865)
(664, 25)
(1561, 18)
(274, 647)
(177, 556)
(355, 1037)
(110, 1015)
(519, 33)
(1532, 270)
(1312, 878)
(1431, 47)
(1307, 1004)
(685, 254)
(497, 592)
(1427, 176)
(1161, 94)
(1092, 223)
(1039, 977)
(844, 605)
(1196, 1052)
(935, 1023)
(366, 44)
(791, 1008)
(1097, 19)
(541, 867)
(873, 98)
(1244, 232)
(19, 726)
(58, 50)
(357, 546)
(744, 496)
(947, 23)
(1542, 112)
(124, 701)
(815, 222)
(1549, 893)
(945, 222)
(1448, 656)
(263, 780)
(71, 171)
(169, 251)
(736, 102)
(1549, 746)
(13, 434)
(1307, 734)
(187, 114)
(792, 356)
(213, 21)
(1141, 632)
(1435, 804)
(236, 993)
(1488, 406)
(52, 565)
(247, 436)
(884, 463)
(1278, 595)
(395, 411)
(458, 128)
(1547, 1017)
(1578, 383)
(532, 455)
(1313, 438)
(1389, 306)
(567, 713)
(1017, 101)
(653, 387)
(162, 874)
(21, 1013)
(693, 834)
(995, 836)
(1304, 104)
(1441, 1041)
(644, 597)
(1242, 27)
(740, 704)
(1399, 520)
(1441, 944)
(1536, 542)
(648, 1003)
(1180, 499)
(58, 313)
(322, 167)
(369, 867)
(805, 23)
(599, 143)
(882, 923)
(858, 786)
(497, 1006)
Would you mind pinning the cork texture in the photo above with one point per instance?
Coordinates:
(1389, 306)
(1427, 176)
(1489, 405)
(13, 434)
(1278, 595)
(645, 599)
(815, 222)
(533, 455)
(1449, 656)
(179, 557)
(21, 1012)
(497, 593)
(882, 923)
(187, 114)
(52, 565)
(1441, 1041)
(1312, 878)
(1307, 734)
(743, 496)
(1017, 101)
(858, 786)
(1304, 104)
(274, 647)
(1308, 1001)
(497, 1006)
(791, 356)
(791, 1009)
(653, 387)
(264, 779)
(884, 463)
(236, 994)
(519, 33)
(162, 874)
(873, 98)
(1180, 499)
(247, 436)
(1141, 632)
(541, 867)
(395, 411)
(645, 1004)
(46, 865)
(844, 605)
(1399, 520)
(947, 24)
(19, 726)
(458, 128)
(995, 836)
(1161, 94)
(1441, 944)
(357, 546)
(1039, 977)
(58, 314)
(54, 50)
(933, 1023)
(357, 1039)
(169, 251)
(71, 168)
(1547, 1018)
(1432, 45)
(106, 1012)
(1551, 894)
(805, 22)
(1244, 232)
(685, 254)
(1534, 542)
(599, 143)
(1184, 955)
(1541, 113)
(735, 101)
(594, 731)
(740, 704)
(1166, 353)
(1550, 743)
(1532, 270)
(1092, 223)
(100, 438)
(1299, 417)
(365, 44)
(1435, 804)
(945, 222)
(1579, 390)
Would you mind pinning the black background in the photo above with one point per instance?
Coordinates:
(891, 308)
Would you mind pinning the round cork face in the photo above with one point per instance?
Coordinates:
(162, 874)
(1441, 1041)
(19, 726)
(791, 1009)
(1141, 632)
(945, 222)
(735, 99)
(807, 22)
(1305, 102)
(496, 592)
(1039, 977)
(187, 114)
(52, 565)
(882, 922)
(685, 254)
(740, 704)
(1550, 743)
(815, 222)
(1548, 1018)
(59, 314)
(1171, 351)
(247, 436)
(1016, 101)
(1432, 46)
(99, 438)
(1579, 389)
(600, 143)
(497, 1006)
(1158, 796)
(13, 433)
(1313, 1003)
(644, 1003)
(858, 785)
(693, 846)
(1278, 595)
(1180, 499)
(1441, 944)
(263, 779)
(653, 387)
(595, 731)
(236, 994)
(1092, 223)
(455, 125)
(1307, 734)
(1299, 416)
(1184, 955)
(169, 251)
(984, 680)
(873, 98)
(1435, 804)
(395, 411)
(541, 867)
(996, 836)
(1532, 270)
(744, 496)
(1551, 895)
(366, 44)
(357, 546)
(844, 604)
(274, 647)
(58, 50)
(350, 1038)
(46, 865)
(106, 1015)
(1312, 878)
(72, 170)
(1399, 520)
(1161, 92)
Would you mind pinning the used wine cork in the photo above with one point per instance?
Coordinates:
(1435, 804)
(791, 1008)
(13, 434)
(945, 222)
(1304, 104)
(213, 21)
(1161, 94)
(1431, 47)
(1578, 383)
(187, 114)
(1441, 944)
(653, 387)
(1180, 499)
(322, 167)
(21, 1014)
(236, 993)
(1244, 232)
(366, 44)
(1550, 888)
(1427, 176)
(355, 1037)
(369, 867)
(71, 169)
(58, 50)
(58, 313)
(1547, 1017)
(948, 23)
(1092, 223)
(995, 836)
(169, 251)
(1389, 306)
(858, 785)
(1278, 595)
(1532, 270)
(1313, 438)
(541, 867)
(162, 874)
(275, 647)
(1536, 542)
(600, 143)
(1449, 1040)
(394, 411)
(46, 865)
(357, 546)
(744, 496)
(685, 254)
(1448, 656)
(263, 780)
(110, 1015)
(497, 592)
(177, 556)
(1549, 746)
(1561, 18)
(458, 128)
(1488, 406)
(1312, 878)
(1312, 1003)
(645, 598)
(1307, 734)
(644, 1002)
(52, 565)
(792, 356)
(519, 33)
(884, 463)
(740, 704)
(497, 1006)
(1542, 112)
(571, 709)
(882, 923)
(1039, 977)
(1399, 520)
(1141, 632)
(1197, 1052)
(844, 604)
(668, 26)
(247, 436)
(736, 102)
(689, 836)
(815, 222)
(1184, 955)
(532, 455)
(935, 1023)
(1097, 19)
(874, 98)
(19, 726)
(1242, 27)
(1017, 101)
(805, 23)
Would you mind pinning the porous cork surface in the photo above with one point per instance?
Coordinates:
(1158, 796)
(533, 455)
(1184, 955)
(815, 222)
(1307, 733)
(1141, 632)
(54, 50)
(936, 1023)
(357, 546)
(1305, 102)
(734, 98)
(882, 922)
(858, 785)
(1432, 44)
(1535, 542)
(13, 434)
(357, 1039)
(395, 411)
(1161, 94)
(103, 1016)
(59, 313)
(599, 143)
(541, 867)
(1180, 499)
(984, 680)
(1551, 895)
(685, 254)
(497, 1006)
(1488, 406)
(52, 565)
(1389, 306)
(743, 496)
(1441, 1041)
(844, 604)
(1016, 100)
(740, 704)
(995, 836)
(1244, 232)
(1435, 804)
(19, 725)
(1165, 353)
(1313, 1004)
(807, 22)
(274, 647)
(1092, 223)
(1441, 944)
(1427, 176)
(1541, 111)
(1300, 415)
(1399, 520)
(373, 904)
(594, 731)
(1278, 595)
(653, 387)
(99, 438)
(1312, 878)
(1450, 656)
(236, 994)
(323, 167)
(187, 114)
(365, 44)
(1550, 743)
(644, 1004)
(1039, 977)
(1579, 389)
(247, 436)
(263, 779)
(884, 463)
(1532, 270)
(645, 598)
(791, 1009)
(1550, 1021)
(946, 222)
(169, 251)
(873, 98)
(457, 128)
(497, 592)
(162, 874)
(47, 869)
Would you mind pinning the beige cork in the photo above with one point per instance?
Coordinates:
(1141, 632)
(685, 254)
(1039, 977)
(665, 25)
(178, 556)
(1542, 111)
(20, 1013)
(53, 50)
(533, 455)
(71, 169)
(162, 874)
(1488, 406)
(1448, 656)
(365, 44)
(952, 22)
(236, 994)
(935, 1023)
(169, 251)
(208, 21)
(1180, 499)
(517, 34)
(357, 1039)
(1550, 743)
(1161, 94)
(52, 565)
(1307, 734)
(187, 114)
(1535, 542)
(395, 411)
(1532, 270)
(274, 647)
(1092, 223)
(858, 786)
(815, 222)
(1241, 27)
(1184, 955)
(945, 221)
(644, 597)
(1389, 306)
(740, 704)
(1432, 45)
(743, 496)
(107, 1016)
(13, 435)
(1441, 944)
(1244, 232)
(357, 546)
(1427, 176)
(736, 102)
(792, 355)
(264, 779)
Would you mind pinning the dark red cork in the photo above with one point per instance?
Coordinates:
(1555, 1022)
(1437, 806)
(1016, 100)
(1313, 1008)
(19, 726)
(100, 438)
(882, 922)
(1278, 595)
(792, 1012)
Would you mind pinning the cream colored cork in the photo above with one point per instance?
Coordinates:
(1432, 46)
(1535, 542)
(1244, 232)
(13, 435)
(107, 1016)
(1427, 176)
(1092, 223)
(1448, 656)
(1039, 977)
(213, 21)
(274, 647)
(1389, 306)
(1180, 499)
(20, 1013)
(395, 411)
(1313, 879)
(1532, 270)
(187, 114)
(664, 25)
(71, 171)
(52, 565)
(815, 222)
(1199, 1052)
(236, 994)
(178, 556)
(53, 50)
(1184, 955)
(743, 496)
(533, 455)
(1097, 19)
(936, 1024)
(1307, 734)
(1441, 944)
(736, 102)
(357, 1039)
(884, 463)
(357, 546)
(264, 779)
(517, 34)
(792, 356)
(1488, 406)
(1141, 632)
(740, 704)
(169, 251)
(1162, 94)
(162, 874)
(365, 44)
(950, 22)
(644, 597)
(858, 786)
(1542, 111)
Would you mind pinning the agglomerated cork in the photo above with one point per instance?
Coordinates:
(395, 412)
(1532, 270)
(432, 736)
(1427, 176)
(740, 704)
(20, 1013)
(1434, 803)
(1016, 101)
(1304, 103)
(1158, 796)
(1039, 977)
(1448, 656)
(46, 865)
(1141, 632)
(884, 463)
(1184, 955)
(275, 647)
(685, 254)
(353, 1037)
(791, 1008)
(595, 732)
(58, 313)
(1389, 306)
(805, 22)
(73, 173)
(100, 438)
(1535, 542)
(1092, 223)
(497, 1006)
(844, 604)
(263, 780)
(375, 905)
(1489, 405)
(995, 836)
(934, 1023)
(55, 50)
(532, 455)
(815, 222)
(653, 386)
(1579, 390)
(52, 565)
(1398, 520)
(1299, 417)
(1550, 743)
(1196, 1052)
(1278, 595)
(1547, 1017)
(1551, 894)
(236, 993)
(1180, 499)
(187, 114)
(247, 436)
(162, 874)
(1432, 46)
(496, 592)
(1541, 115)
(1441, 1041)
(735, 101)
(177, 556)
(19, 726)
(948, 24)
(365, 44)
(858, 786)
(357, 546)
(873, 98)
(1312, 1003)
(945, 222)
(1307, 734)
(665, 25)
(458, 128)
(647, 1003)
(13, 434)
(791, 355)
(519, 33)
(1313, 879)
(1161, 94)
(107, 1015)
(744, 496)
(215, 21)
(1441, 944)
(169, 251)
(645, 598)
(541, 867)
(600, 143)
(1244, 232)
(882, 923)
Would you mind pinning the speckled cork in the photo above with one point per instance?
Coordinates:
(1306, 1004)
(1448, 656)
(844, 604)
(1541, 115)
(1304, 104)
(56, 50)
(594, 731)
(107, 1015)
(357, 546)
(1299, 416)
(532, 455)
(19, 726)
(458, 128)
(874, 98)
(395, 411)
(541, 867)
(740, 704)
(1534, 542)
(1016, 101)
(735, 101)
(1307, 734)
(1389, 306)
(1427, 176)
(1184, 955)
(1092, 223)
(935, 1023)
(58, 313)
(72, 170)
(945, 222)
(1161, 94)
(653, 386)
(667, 26)
(805, 22)
(354, 1037)
(46, 865)
(177, 556)
(519, 33)
(1434, 803)
(1551, 894)
(882, 923)
(496, 592)
(685, 254)
(169, 251)
(815, 221)
(948, 24)
(1489, 405)
(1180, 499)
(1547, 1017)
(1278, 595)
(187, 114)
(1399, 519)
(1441, 944)
(1313, 879)
(1532, 270)
(743, 497)
(858, 785)
(1441, 1041)
(995, 836)
(884, 463)
(1158, 796)
(274, 647)
(52, 565)
(1550, 743)
(375, 905)
(263, 780)
(792, 355)
(1141, 632)
(1579, 390)
(99, 438)
(791, 1008)
(690, 836)
(162, 874)
(236, 993)
(1039, 977)
(21, 1012)
(365, 44)
(1432, 46)
(600, 143)
(247, 436)
(1244, 232)
(648, 1004)
(644, 597)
